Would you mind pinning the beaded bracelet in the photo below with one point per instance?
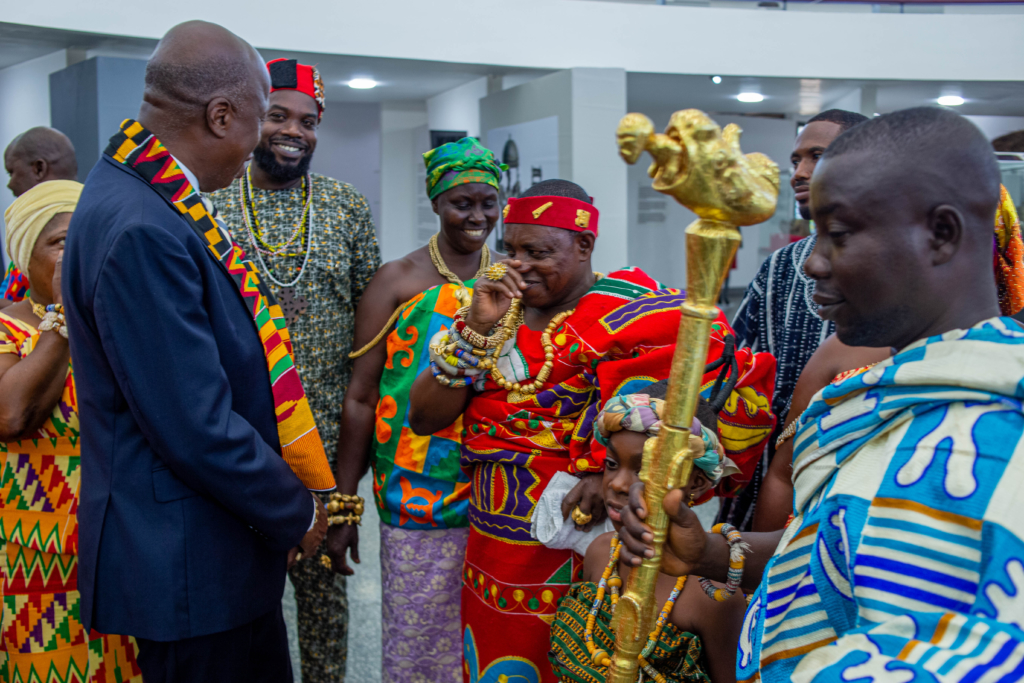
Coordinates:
(341, 501)
(54, 320)
(336, 520)
(447, 380)
(736, 560)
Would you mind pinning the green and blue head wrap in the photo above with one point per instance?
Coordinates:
(458, 163)
(641, 413)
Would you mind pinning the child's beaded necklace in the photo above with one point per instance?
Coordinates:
(610, 578)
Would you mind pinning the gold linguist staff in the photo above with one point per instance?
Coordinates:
(702, 167)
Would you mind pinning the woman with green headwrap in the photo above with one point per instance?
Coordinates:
(419, 488)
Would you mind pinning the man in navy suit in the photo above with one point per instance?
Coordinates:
(189, 514)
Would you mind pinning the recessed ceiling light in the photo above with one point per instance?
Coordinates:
(951, 100)
(362, 83)
(750, 97)
(716, 79)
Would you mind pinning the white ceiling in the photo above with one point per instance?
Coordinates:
(785, 95)
(409, 79)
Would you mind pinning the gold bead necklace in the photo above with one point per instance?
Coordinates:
(549, 354)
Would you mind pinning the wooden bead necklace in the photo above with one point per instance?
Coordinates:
(549, 357)
(610, 578)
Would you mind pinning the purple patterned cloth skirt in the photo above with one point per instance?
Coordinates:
(422, 581)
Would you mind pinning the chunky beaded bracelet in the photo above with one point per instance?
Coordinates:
(736, 559)
(54, 320)
(342, 502)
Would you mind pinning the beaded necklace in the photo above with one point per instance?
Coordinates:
(256, 240)
(252, 219)
(462, 294)
(549, 352)
(610, 578)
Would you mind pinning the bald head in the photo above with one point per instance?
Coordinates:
(206, 93)
(943, 155)
(196, 62)
(38, 155)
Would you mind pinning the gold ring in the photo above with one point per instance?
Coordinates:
(579, 517)
(326, 562)
(496, 271)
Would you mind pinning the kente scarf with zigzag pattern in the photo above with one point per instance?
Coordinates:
(141, 151)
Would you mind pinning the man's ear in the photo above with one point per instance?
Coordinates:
(946, 225)
(219, 116)
(40, 167)
(585, 244)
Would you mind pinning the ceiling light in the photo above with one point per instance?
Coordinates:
(362, 83)
(716, 79)
(750, 97)
(951, 100)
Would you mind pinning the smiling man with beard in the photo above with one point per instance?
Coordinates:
(313, 239)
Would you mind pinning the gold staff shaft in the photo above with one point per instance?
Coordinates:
(710, 247)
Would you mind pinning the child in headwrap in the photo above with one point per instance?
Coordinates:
(698, 642)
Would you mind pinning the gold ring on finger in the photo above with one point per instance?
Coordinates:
(496, 271)
(579, 517)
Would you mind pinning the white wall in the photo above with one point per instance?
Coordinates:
(588, 104)
(24, 104)
(561, 34)
(994, 126)
(458, 108)
(659, 247)
(401, 125)
(349, 149)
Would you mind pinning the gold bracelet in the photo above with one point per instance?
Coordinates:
(335, 520)
(342, 502)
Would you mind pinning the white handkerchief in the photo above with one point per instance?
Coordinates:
(547, 525)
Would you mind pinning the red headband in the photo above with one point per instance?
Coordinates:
(288, 74)
(553, 212)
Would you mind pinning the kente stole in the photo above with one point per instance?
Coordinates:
(140, 150)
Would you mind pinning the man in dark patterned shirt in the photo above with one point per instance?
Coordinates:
(777, 313)
(313, 238)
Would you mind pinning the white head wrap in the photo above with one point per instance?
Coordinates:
(29, 214)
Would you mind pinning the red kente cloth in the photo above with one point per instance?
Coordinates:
(620, 338)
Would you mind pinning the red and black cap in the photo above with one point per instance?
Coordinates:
(288, 74)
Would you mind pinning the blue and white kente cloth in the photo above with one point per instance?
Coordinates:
(905, 561)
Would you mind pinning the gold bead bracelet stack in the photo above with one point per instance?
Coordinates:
(343, 503)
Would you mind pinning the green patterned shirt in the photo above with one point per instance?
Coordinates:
(343, 257)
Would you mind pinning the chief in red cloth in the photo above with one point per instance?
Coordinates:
(581, 338)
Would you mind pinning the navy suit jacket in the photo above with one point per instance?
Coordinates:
(187, 508)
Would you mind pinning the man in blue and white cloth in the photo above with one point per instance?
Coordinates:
(905, 560)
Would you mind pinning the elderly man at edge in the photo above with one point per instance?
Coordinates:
(199, 448)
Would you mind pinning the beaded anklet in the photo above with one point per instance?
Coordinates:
(736, 560)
